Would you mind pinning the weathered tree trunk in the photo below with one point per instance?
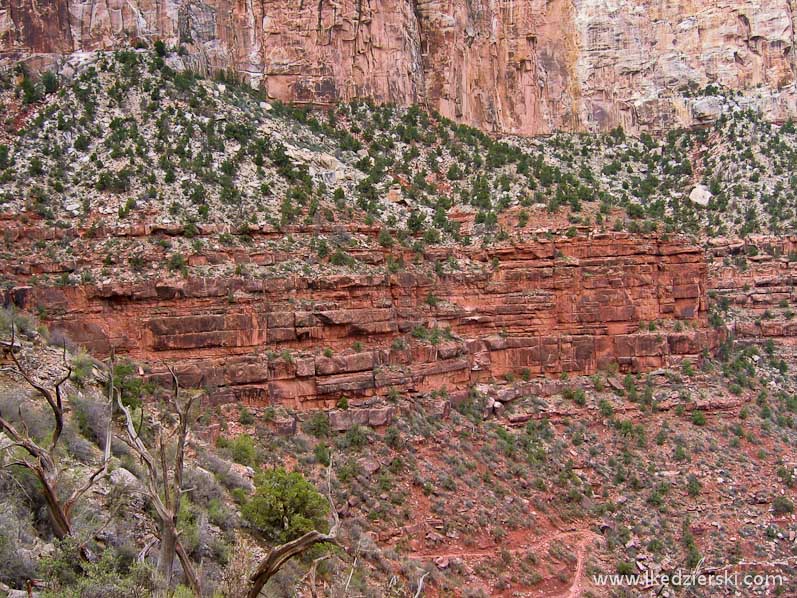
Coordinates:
(279, 555)
(188, 569)
(62, 526)
(164, 484)
(168, 548)
(44, 460)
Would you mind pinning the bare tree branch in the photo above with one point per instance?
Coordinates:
(163, 482)
(46, 464)
(188, 569)
(420, 585)
(80, 491)
(111, 390)
(309, 577)
(145, 551)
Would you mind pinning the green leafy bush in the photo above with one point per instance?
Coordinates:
(782, 506)
(317, 425)
(243, 450)
(285, 506)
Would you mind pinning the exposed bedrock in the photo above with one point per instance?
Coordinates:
(537, 309)
(515, 66)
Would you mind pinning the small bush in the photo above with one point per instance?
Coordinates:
(245, 417)
(577, 395)
(322, 454)
(625, 568)
(317, 425)
(82, 366)
(356, 437)
(782, 506)
(385, 238)
(243, 450)
(693, 485)
(285, 506)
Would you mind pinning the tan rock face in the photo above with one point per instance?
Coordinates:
(515, 66)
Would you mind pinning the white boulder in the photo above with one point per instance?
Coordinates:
(700, 195)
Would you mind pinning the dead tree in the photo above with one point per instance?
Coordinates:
(43, 461)
(163, 481)
(279, 555)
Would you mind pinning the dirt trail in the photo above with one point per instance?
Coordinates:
(576, 589)
(542, 542)
(578, 539)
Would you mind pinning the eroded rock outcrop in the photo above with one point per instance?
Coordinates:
(756, 278)
(540, 308)
(518, 66)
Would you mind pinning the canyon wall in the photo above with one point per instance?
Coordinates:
(756, 279)
(537, 309)
(511, 66)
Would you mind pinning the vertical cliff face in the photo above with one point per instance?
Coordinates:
(637, 59)
(514, 66)
(508, 66)
(545, 308)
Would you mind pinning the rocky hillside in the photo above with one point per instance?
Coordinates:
(516, 66)
(157, 213)
(393, 234)
(519, 488)
(513, 363)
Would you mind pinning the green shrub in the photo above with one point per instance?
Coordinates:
(178, 262)
(782, 506)
(606, 408)
(687, 368)
(356, 437)
(285, 506)
(322, 454)
(693, 485)
(242, 449)
(577, 395)
(49, 82)
(131, 387)
(81, 143)
(188, 526)
(317, 425)
(245, 417)
(5, 160)
(67, 577)
(626, 568)
(82, 365)
(393, 437)
(385, 238)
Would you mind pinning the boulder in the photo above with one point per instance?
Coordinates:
(708, 109)
(700, 195)
(123, 478)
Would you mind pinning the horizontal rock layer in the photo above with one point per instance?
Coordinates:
(757, 278)
(516, 66)
(542, 308)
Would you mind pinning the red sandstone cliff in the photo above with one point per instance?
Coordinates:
(516, 66)
(541, 308)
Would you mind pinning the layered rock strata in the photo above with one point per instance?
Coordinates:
(757, 279)
(540, 308)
